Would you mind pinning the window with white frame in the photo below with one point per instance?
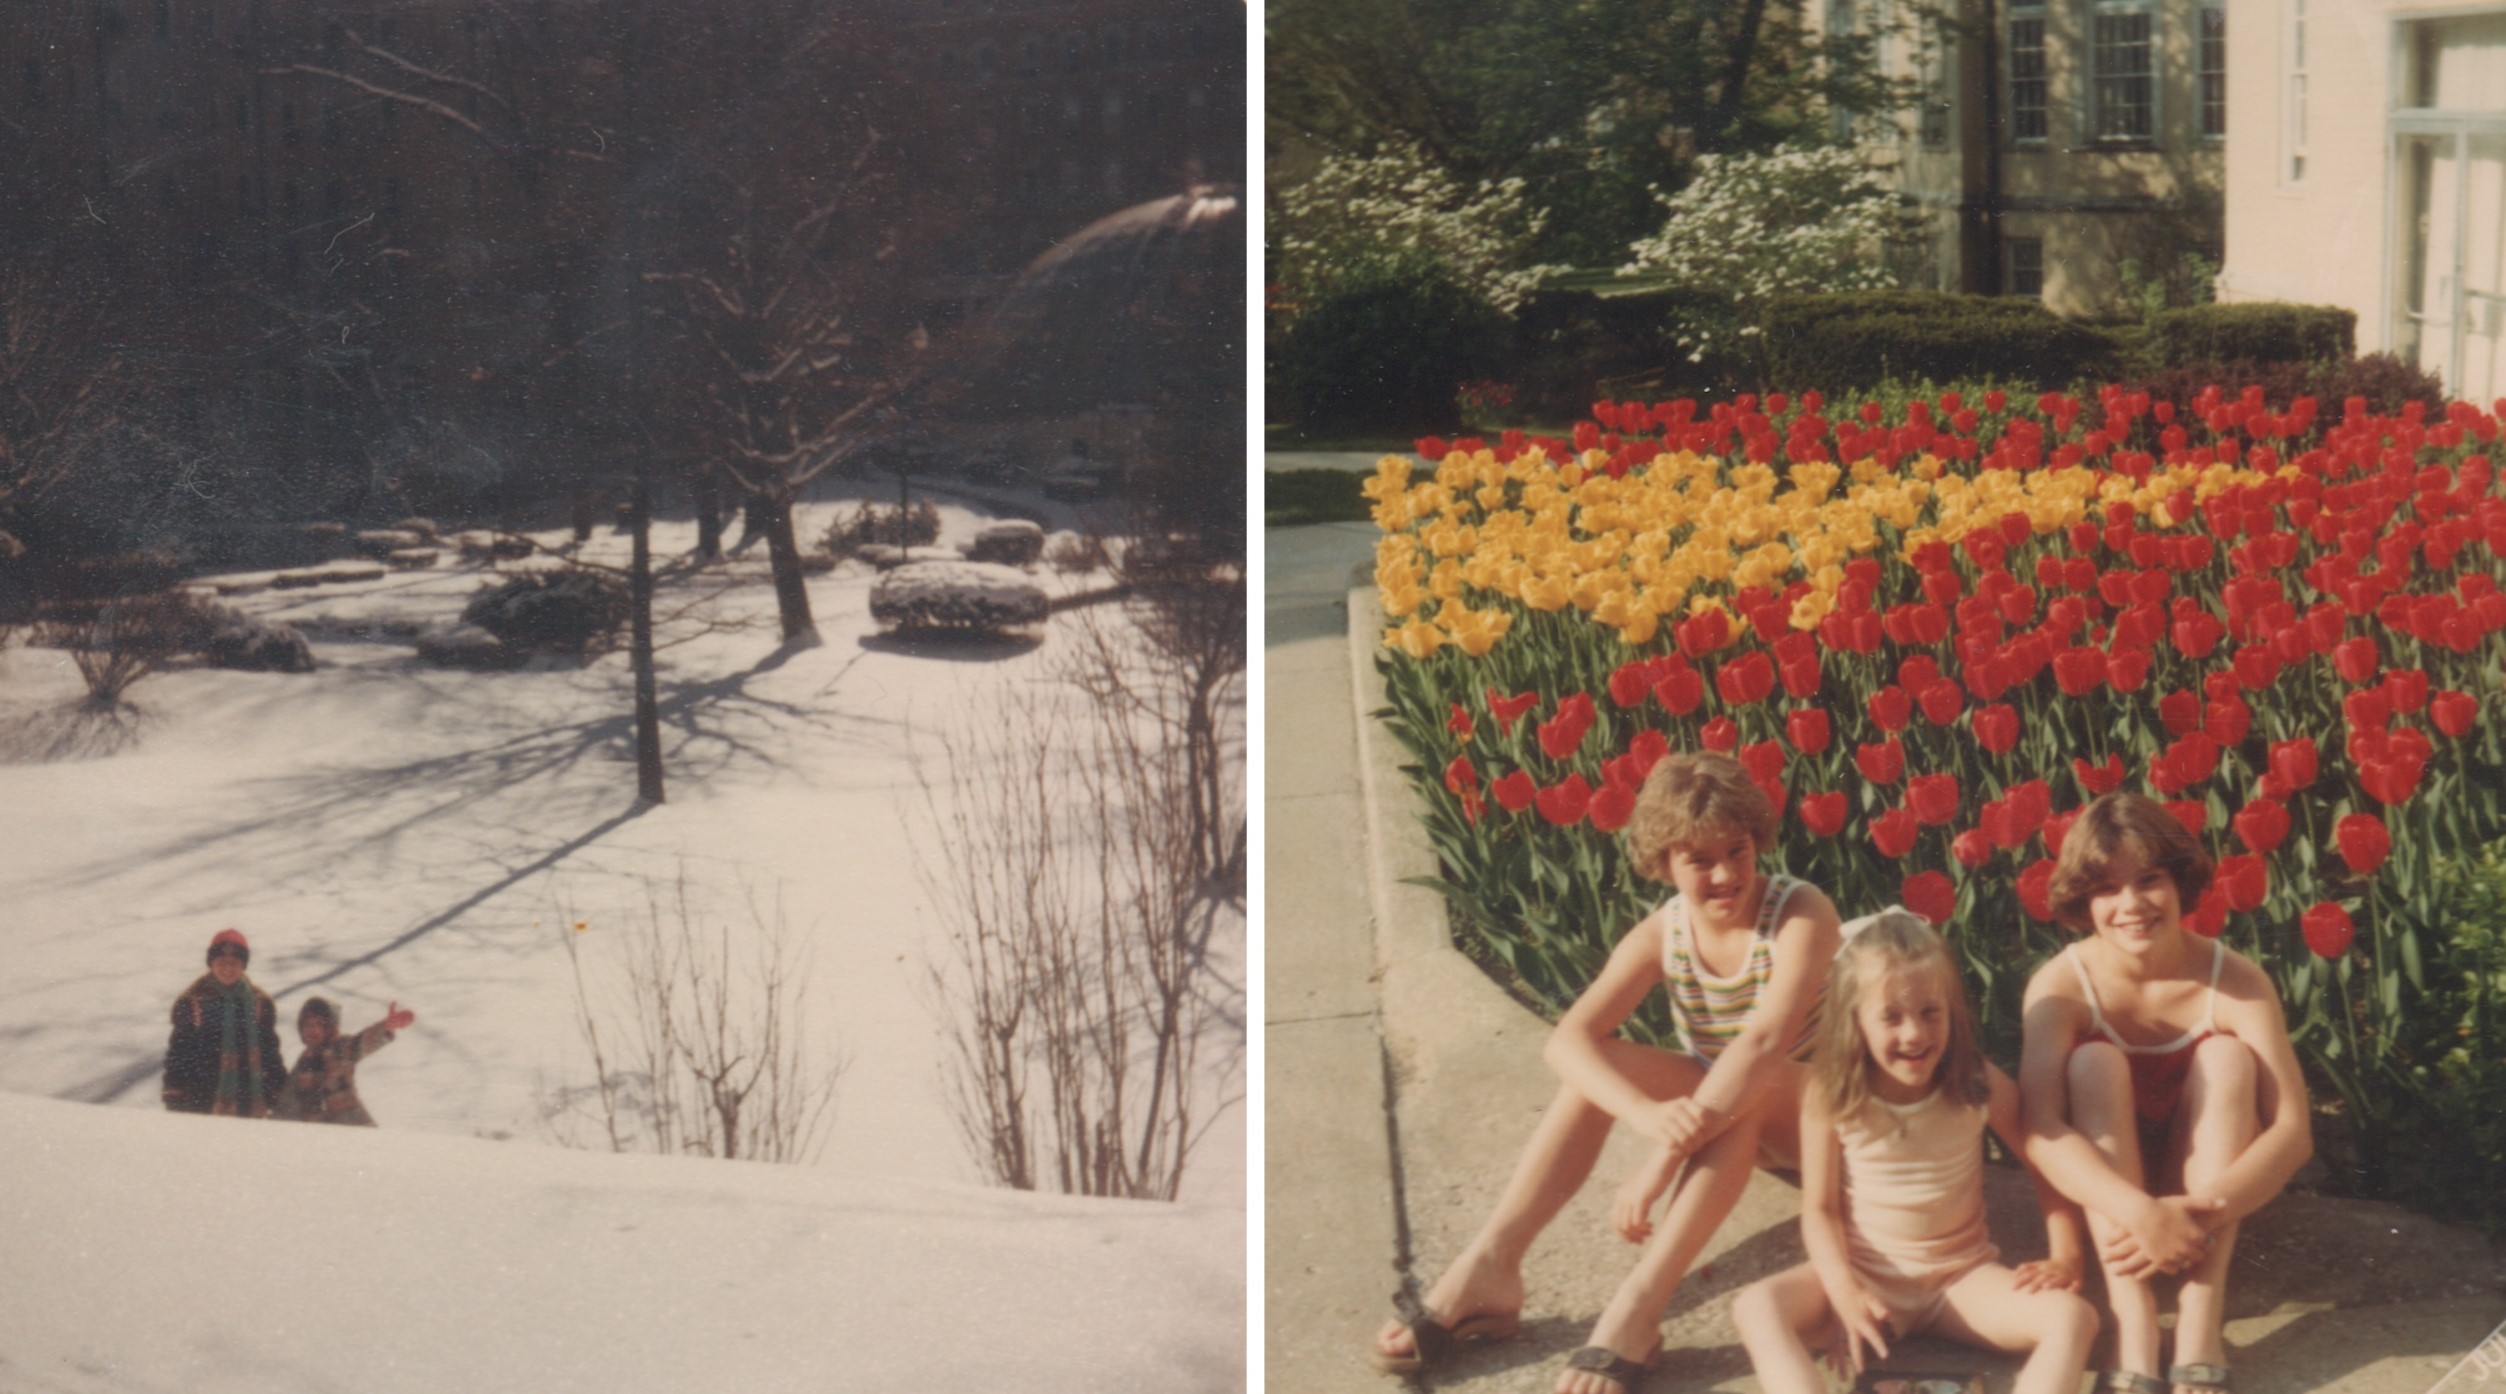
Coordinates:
(2213, 59)
(2028, 79)
(2293, 94)
(1939, 86)
(2123, 93)
(2024, 269)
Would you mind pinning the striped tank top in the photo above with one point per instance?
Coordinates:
(1710, 1011)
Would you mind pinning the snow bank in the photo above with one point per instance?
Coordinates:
(155, 1252)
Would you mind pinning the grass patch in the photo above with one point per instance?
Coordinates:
(1290, 497)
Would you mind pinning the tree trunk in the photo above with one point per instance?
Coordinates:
(1741, 53)
(648, 786)
(791, 592)
(708, 514)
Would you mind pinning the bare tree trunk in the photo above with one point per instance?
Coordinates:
(791, 590)
(648, 784)
(708, 488)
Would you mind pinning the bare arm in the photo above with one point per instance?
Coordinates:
(2249, 1010)
(1823, 1234)
(1805, 943)
(1574, 1049)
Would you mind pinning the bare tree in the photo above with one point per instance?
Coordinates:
(1068, 848)
(61, 383)
(700, 1044)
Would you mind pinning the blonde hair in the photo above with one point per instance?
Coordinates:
(1895, 941)
(2119, 826)
(1692, 800)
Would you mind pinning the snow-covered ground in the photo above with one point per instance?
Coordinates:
(386, 831)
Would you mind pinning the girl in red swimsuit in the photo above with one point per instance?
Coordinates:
(2159, 1086)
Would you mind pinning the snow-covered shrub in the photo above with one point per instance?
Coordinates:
(482, 545)
(1750, 227)
(423, 527)
(237, 640)
(1077, 554)
(570, 612)
(963, 595)
(1011, 542)
(380, 543)
(887, 558)
(1359, 207)
(412, 559)
(467, 646)
(116, 642)
(868, 524)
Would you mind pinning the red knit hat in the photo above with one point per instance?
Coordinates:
(224, 937)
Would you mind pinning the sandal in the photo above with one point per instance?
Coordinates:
(2198, 1376)
(2128, 1382)
(1611, 1366)
(1432, 1339)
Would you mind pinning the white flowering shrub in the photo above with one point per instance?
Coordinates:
(1748, 228)
(1398, 200)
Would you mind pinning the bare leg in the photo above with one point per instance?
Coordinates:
(1487, 1276)
(2100, 1081)
(1986, 1308)
(2217, 1120)
(1776, 1318)
(1705, 1195)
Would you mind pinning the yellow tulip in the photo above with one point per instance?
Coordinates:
(1418, 638)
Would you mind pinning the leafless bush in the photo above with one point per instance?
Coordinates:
(1077, 554)
(867, 523)
(117, 642)
(700, 1044)
(1075, 984)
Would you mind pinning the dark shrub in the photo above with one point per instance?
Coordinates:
(116, 642)
(2384, 381)
(1385, 348)
(578, 613)
(1859, 339)
(868, 524)
(1577, 340)
(237, 640)
(2258, 332)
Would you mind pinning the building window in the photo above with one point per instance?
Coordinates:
(2293, 79)
(165, 19)
(2025, 272)
(2028, 105)
(243, 112)
(2214, 71)
(1938, 60)
(287, 122)
(2124, 93)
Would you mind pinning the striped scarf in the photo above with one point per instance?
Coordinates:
(239, 1052)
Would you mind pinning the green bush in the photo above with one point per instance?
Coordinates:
(1578, 341)
(2258, 332)
(1855, 340)
(1385, 347)
(2385, 383)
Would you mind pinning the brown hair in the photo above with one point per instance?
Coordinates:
(1690, 800)
(2116, 827)
(1895, 941)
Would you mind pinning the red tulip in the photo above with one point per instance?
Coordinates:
(2328, 929)
(1823, 814)
(2364, 842)
(1565, 802)
(2453, 713)
(2103, 778)
(1630, 683)
(1745, 679)
(2179, 711)
(2244, 880)
(1461, 776)
(2367, 709)
(1515, 791)
(2057, 830)
(1508, 710)
(1881, 762)
(1893, 832)
(2210, 916)
(1680, 690)
(2294, 761)
(2036, 889)
(1460, 723)
(2079, 671)
(2406, 689)
(1612, 805)
(2261, 825)
(2394, 778)
(1996, 728)
(2355, 659)
(2127, 669)
(1942, 699)
(2196, 634)
(2227, 721)
(1933, 798)
(1808, 729)
(1644, 751)
(1891, 708)
(1764, 760)
(1560, 734)
(1722, 733)
(1972, 848)
(1929, 894)
(1703, 633)
(2192, 813)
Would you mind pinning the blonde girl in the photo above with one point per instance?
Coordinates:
(1743, 955)
(1892, 1134)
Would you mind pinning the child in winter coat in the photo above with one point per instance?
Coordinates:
(223, 1056)
(323, 1086)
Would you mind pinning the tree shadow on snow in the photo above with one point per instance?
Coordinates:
(76, 731)
(952, 646)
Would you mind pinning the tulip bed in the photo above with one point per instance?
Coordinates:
(1932, 629)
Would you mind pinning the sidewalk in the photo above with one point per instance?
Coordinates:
(1401, 1082)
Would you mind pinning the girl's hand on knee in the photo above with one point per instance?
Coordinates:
(1861, 1320)
(1631, 1209)
(2048, 1275)
(1681, 1124)
(2173, 1232)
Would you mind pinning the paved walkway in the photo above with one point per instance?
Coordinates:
(1400, 1083)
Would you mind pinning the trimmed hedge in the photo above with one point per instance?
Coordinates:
(1863, 338)
(1385, 349)
(2251, 332)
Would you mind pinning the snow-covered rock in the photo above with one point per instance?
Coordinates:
(237, 640)
(1013, 542)
(957, 595)
(467, 646)
(887, 557)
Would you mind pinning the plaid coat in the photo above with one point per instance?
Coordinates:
(191, 1053)
(323, 1086)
